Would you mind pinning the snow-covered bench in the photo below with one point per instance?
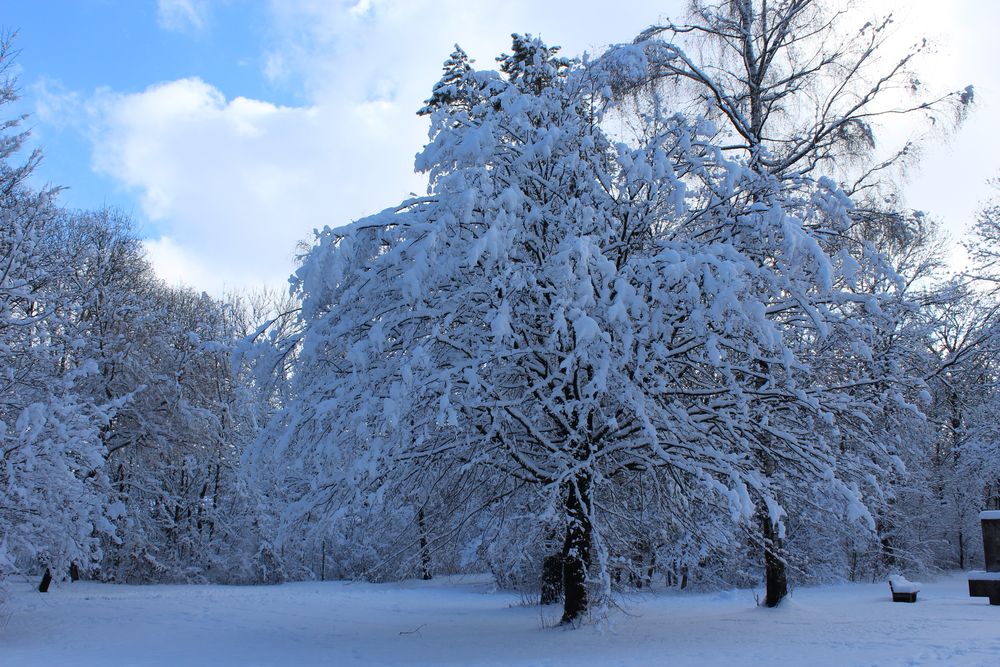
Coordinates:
(903, 590)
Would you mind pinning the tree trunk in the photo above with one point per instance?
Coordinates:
(43, 587)
(775, 577)
(74, 571)
(576, 549)
(425, 554)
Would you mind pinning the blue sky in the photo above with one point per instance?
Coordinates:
(76, 47)
(230, 129)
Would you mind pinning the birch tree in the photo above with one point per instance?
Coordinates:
(796, 91)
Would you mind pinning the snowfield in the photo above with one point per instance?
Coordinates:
(465, 621)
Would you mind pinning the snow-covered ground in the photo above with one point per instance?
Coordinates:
(464, 621)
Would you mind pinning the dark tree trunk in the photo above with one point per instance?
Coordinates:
(576, 549)
(775, 577)
(425, 554)
(43, 587)
(74, 571)
(552, 579)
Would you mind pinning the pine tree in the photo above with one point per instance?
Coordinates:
(457, 89)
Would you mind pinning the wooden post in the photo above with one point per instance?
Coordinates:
(991, 540)
(43, 587)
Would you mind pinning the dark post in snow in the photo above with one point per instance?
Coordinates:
(987, 584)
(43, 587)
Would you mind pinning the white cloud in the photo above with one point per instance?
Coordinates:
(182, 15)
(55, 105)
(177, 267)
(235, 184)
(360, 8)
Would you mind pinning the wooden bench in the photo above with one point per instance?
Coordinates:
(903, 590)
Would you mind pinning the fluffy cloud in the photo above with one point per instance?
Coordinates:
(235, 184)
(177, 267)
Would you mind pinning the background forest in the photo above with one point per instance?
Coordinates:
(661, 317)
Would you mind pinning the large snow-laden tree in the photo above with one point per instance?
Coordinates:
(795, 90)
(562, 311)
(53, 510)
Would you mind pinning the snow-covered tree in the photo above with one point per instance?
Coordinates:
(796, 94)
(959, 467)
(54, 508)
(175, 443)
(984, 246)
(135, 378)
(566, 317)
